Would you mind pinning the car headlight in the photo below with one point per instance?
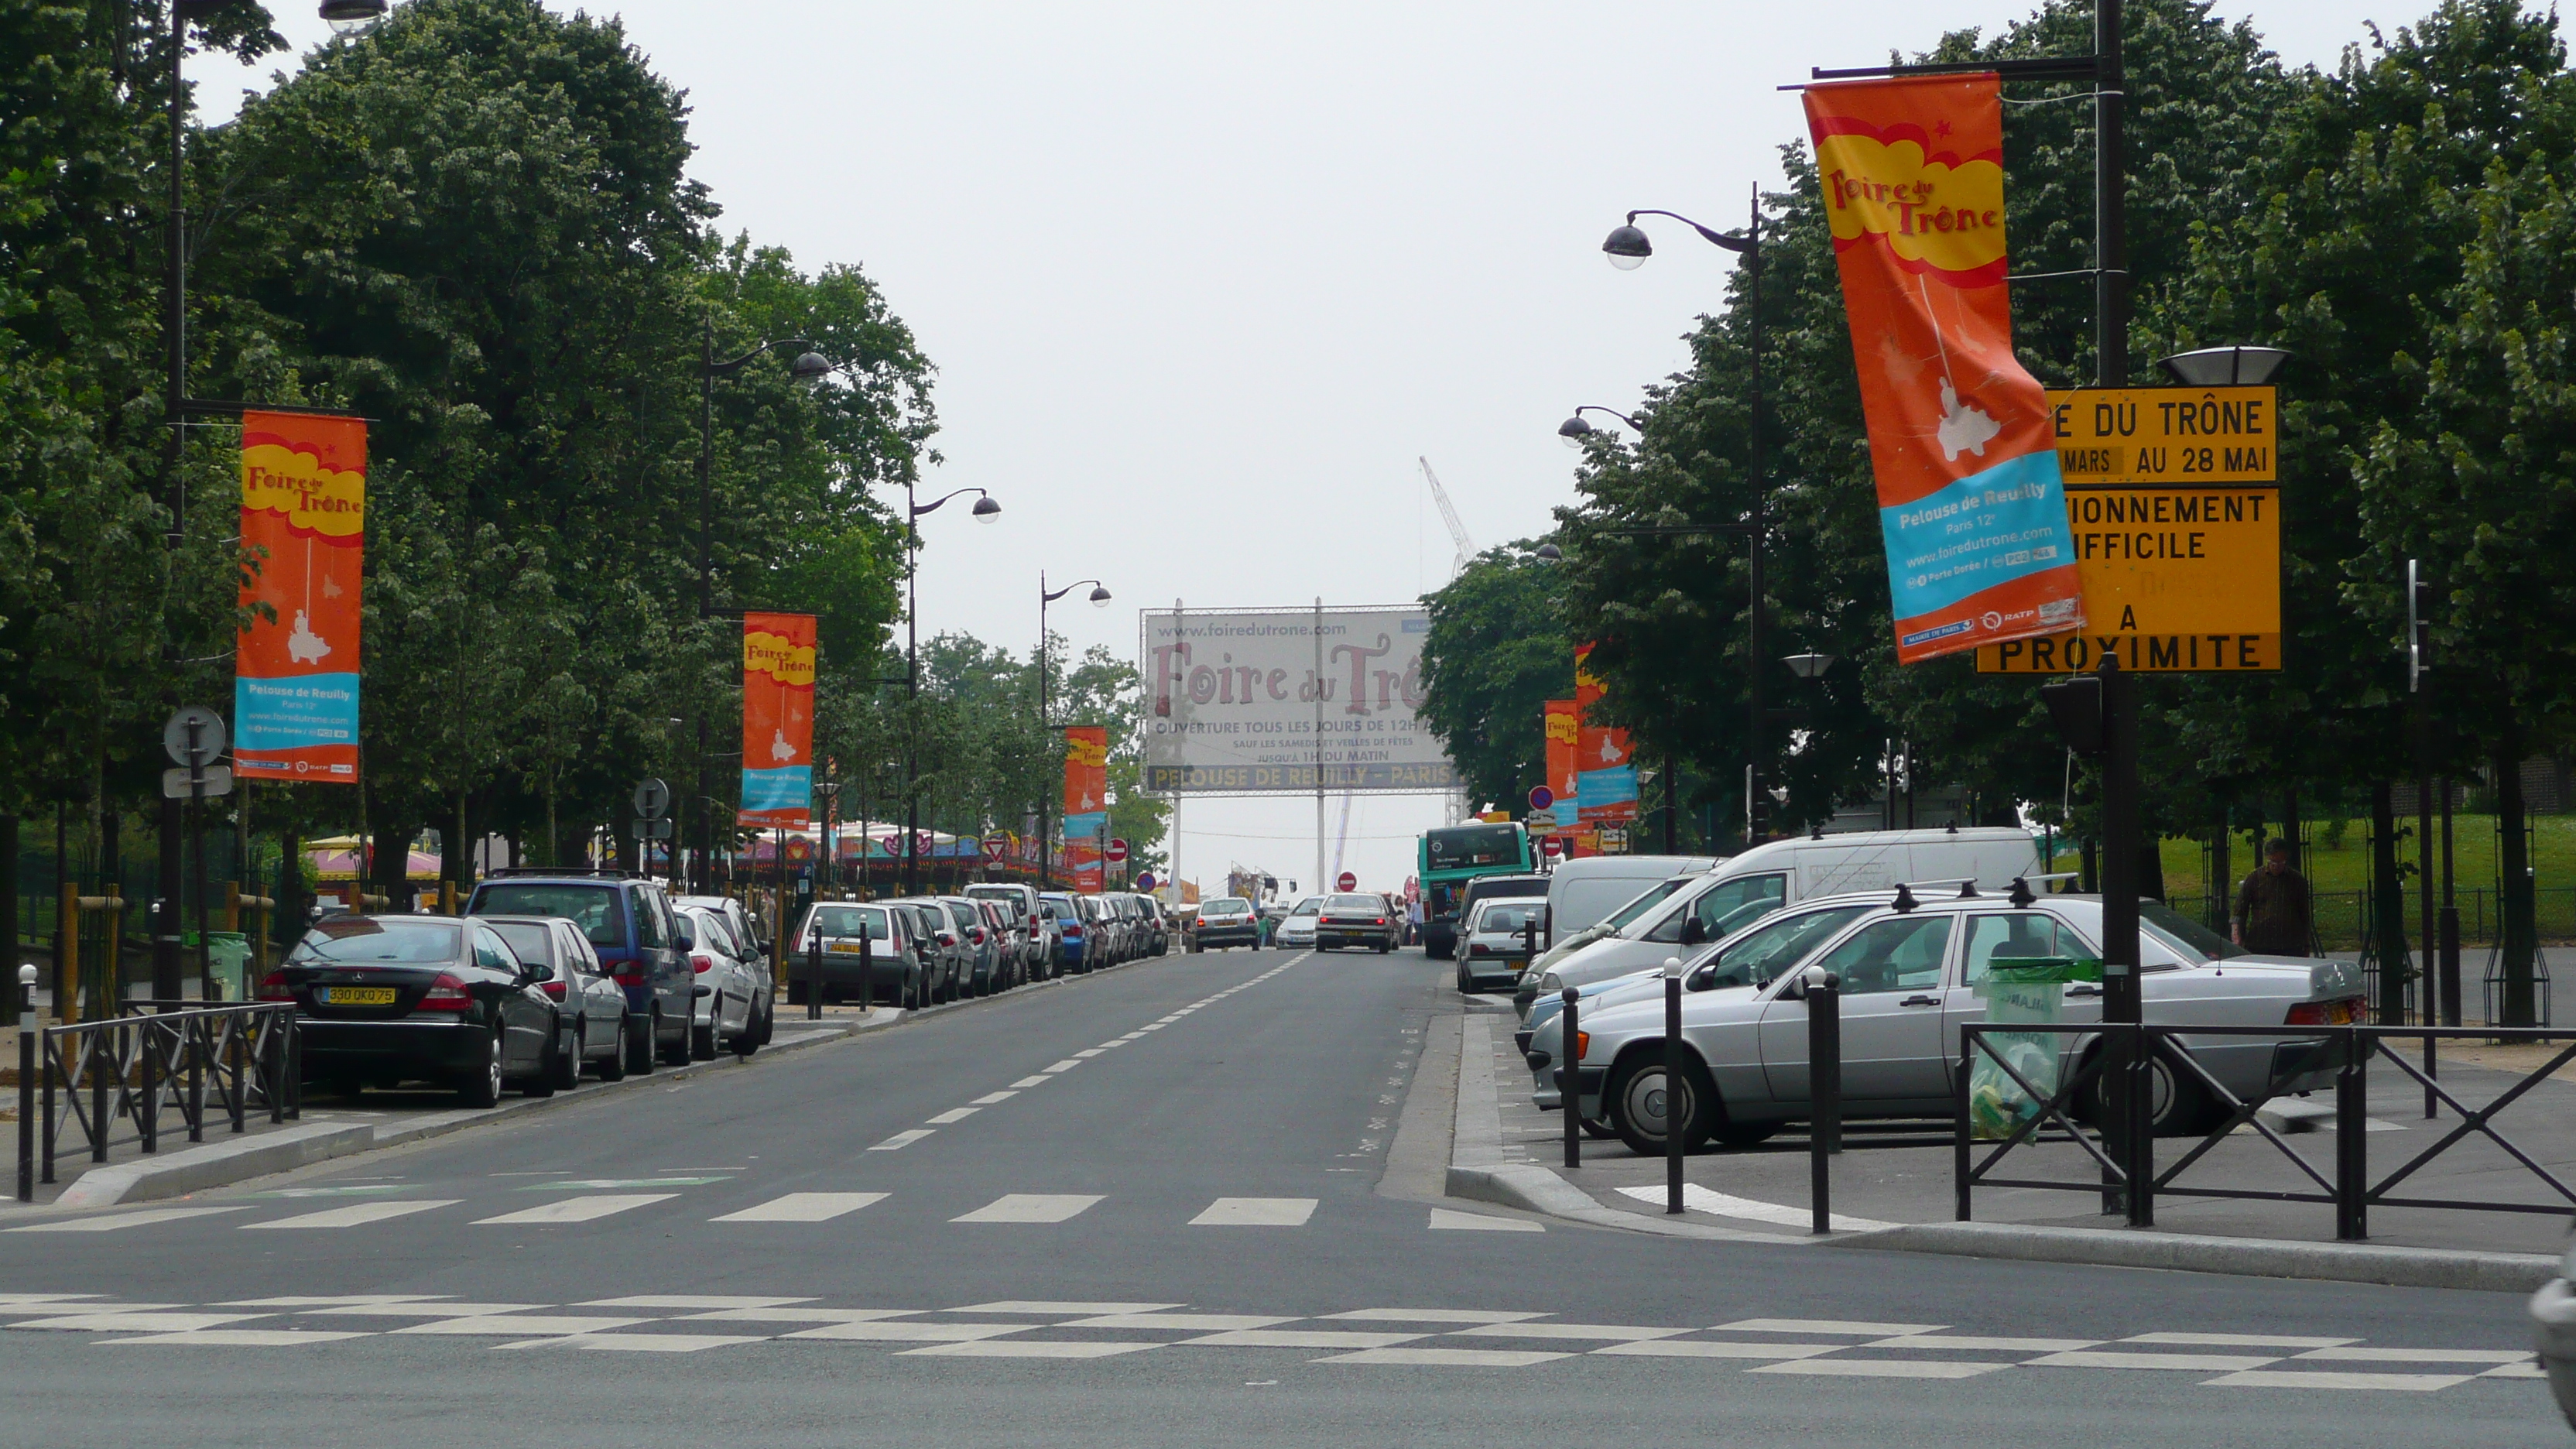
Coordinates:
(1549, 983)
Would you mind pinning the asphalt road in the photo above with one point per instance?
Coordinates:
(1147, 1208)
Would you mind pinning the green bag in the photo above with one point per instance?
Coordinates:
(2027, 991)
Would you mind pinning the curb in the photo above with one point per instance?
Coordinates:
(2203, 1253)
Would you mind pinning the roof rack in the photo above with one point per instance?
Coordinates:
(602, 872)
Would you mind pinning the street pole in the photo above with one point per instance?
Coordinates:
(911, 693)
(1755, 827)
(1046, 788)
(2122, 998)
(166, 922)
(706, 568)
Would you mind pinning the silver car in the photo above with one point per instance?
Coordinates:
(1909, 973)
(1495, 945)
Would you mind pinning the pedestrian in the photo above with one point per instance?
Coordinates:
(2272, 911)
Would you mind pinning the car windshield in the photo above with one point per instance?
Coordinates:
(2189, 938)
(1226, 906)
(526, 939)
(1762, 953)
(377, 938)
(852, 921)
(1309, 906)
(1654, 897)
(1506, 917)
(1359, 905)
(593, 908)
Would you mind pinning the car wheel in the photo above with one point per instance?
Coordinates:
(612, 1067)
(1599, 1131)
(1385, 946)
(567, 1057)
(675, 1052)
(1466, 984)
(755, 1031)
(481, 1086)
(642, 1038)
(705, 1042)
(1639, 1104)
(2180, 1106)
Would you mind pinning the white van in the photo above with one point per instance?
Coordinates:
(1743, 889)
(1582, 893)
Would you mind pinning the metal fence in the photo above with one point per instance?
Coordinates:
(2343, 917)
(113, 1082)
(2126, 1154)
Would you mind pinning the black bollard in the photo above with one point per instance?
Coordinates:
(1675, 1097)
(814, 968)
(1569, 1077)
(1824, 1093)
(867, 970)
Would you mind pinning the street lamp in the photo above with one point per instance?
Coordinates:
(2224, 366)
(1628, 248)
(1548, 553)
(1099, 597)
(986, 510)
(353, 17)
(1574, 429)
(1809, 665)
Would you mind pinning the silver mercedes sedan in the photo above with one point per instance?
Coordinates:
(1910, 971)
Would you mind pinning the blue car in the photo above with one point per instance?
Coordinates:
(1073, 951)
(629, 924)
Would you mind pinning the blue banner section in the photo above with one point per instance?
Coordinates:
(1988, 528)
(1596, 789)
(1078, 826)
(791, 788)
(294, 713)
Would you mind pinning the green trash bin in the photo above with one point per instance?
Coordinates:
(2028, 991)
(228, 962)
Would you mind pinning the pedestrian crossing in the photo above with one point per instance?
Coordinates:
(1384, 1336)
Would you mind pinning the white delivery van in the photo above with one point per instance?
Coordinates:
(1743, 889)
(1583, 893)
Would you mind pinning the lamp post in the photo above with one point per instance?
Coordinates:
(986, 511)
(1099, 600)
(1628, 248)
(1574, 429)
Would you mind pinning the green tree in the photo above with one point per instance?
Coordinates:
(1495, 654)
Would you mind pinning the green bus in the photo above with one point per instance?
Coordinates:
(1454, 857)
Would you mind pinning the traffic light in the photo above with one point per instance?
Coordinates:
(2075, 706)
(2419, 625)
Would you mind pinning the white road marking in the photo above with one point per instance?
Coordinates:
(115, 1221)
(1088, 1052)
(913, 1332)
(1302, 1338)
(803, 1315)
(416, 1308)
(1055, 1307)
(242, 1338)
(1195, 1322)
(1479, 1223)
(1969, 1341)
(1826, 1325)
(2278, 1379)
(581, 1209)
(1566, 1330)
(2236, 1340)
(1131, 1036)
(1256, 1212)
(332, 1300)
(901, 1140)
(2420, 1355)
(1445, 1357)
(689, 1300)
(1024, 1083)
(520, 1325)
(794, 1207)
(1013, 1348)
(1427, 1315)
(138, 1322)
(1728, 1205)
(355, 1215)
(2523, 1370)
(953, 1114)
(989, 1098)
(1702, 1348)
(40, 1300)
(2172, 1362)
(1885, 1368)
(1068, 1064)
(1030, 1207)
(643, 1342)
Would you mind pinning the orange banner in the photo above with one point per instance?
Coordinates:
(1563, 733)
(778, 654)
(1971, 507)
(1086, 771)
(1604, 772)
(295, 664)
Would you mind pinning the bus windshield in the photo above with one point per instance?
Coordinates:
(1478, 848)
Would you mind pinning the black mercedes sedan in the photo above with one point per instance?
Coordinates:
(382, 1000)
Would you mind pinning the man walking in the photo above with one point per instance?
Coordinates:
(2272, 914)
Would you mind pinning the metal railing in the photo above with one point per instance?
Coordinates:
(2127, 1158)
(111, 1082)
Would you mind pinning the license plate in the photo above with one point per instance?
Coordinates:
(357, 995)
(2343, 1013)
(850, 947)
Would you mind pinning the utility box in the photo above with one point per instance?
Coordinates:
(228, 964)
(2025, 992)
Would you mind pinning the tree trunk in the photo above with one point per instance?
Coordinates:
(2520, 936)
(9, 914)
(2387, 907)
(289, 917)
(2089, 864)
(2290, 830)
(2222, 883)
(2151, 867)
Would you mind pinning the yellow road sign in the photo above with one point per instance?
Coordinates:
(2188, 578)
(2165, 435)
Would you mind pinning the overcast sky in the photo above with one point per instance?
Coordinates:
(1202, 281)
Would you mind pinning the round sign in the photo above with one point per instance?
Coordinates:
(1116, 854)
(652, 797)
(1145, 880)
(1548, 846)
(1541, 797)
(1350, 882)
(194, 736)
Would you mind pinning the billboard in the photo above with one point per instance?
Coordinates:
(295, 664)
(1971, 505)
(777, 719)
(1604, 762)
(1289, 700)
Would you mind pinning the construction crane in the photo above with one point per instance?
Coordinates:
(1449, 516)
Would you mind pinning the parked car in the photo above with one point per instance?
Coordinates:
(382, 1000)
(1021, 901)
(1111, 926)
(1569, 941)
(1582, 893)
(1076, 942)
(1355, 919)
(1297, 928)
(628, 921)
(590, 1007)
(1496, 942)
(873, 949)
(1158, 925)
(1225, 922)
(735, 1008)
(945, 950)
(749, 931)
(1909, 971)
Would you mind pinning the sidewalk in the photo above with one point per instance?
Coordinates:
(1893, 1174)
